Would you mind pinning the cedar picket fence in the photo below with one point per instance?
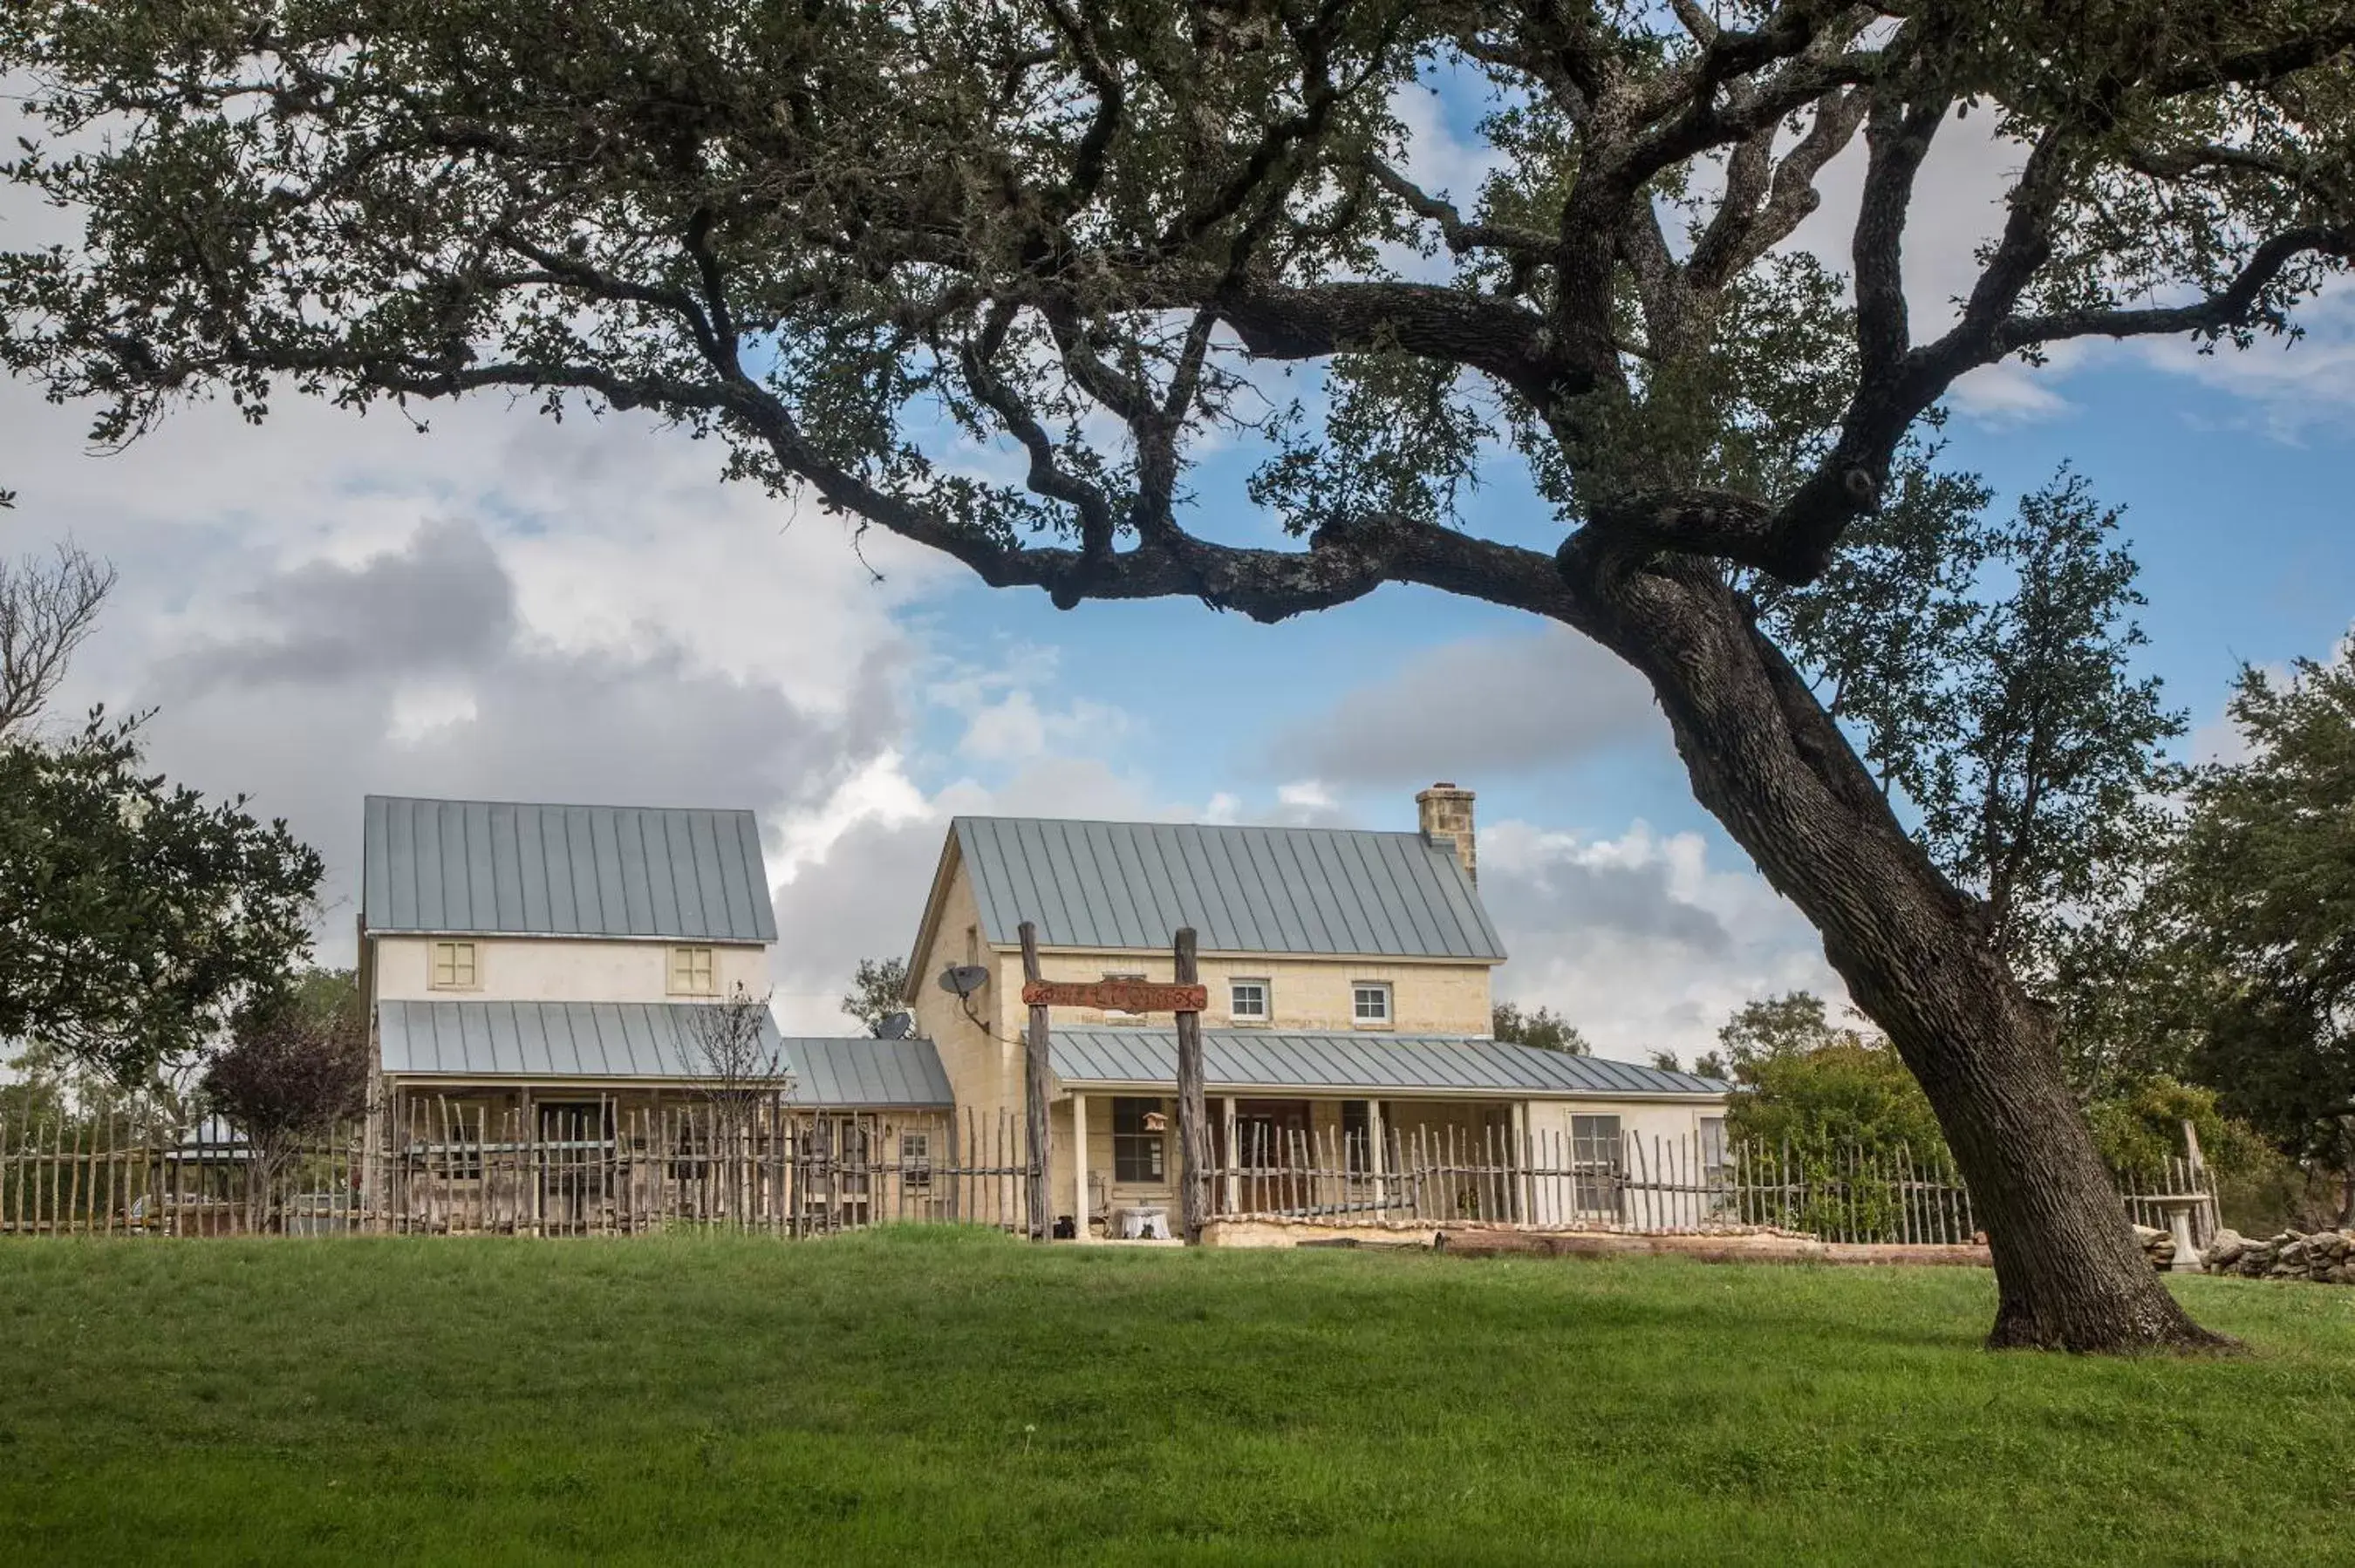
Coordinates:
(451, 1168)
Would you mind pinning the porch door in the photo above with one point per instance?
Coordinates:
(575, 1140)
(1272, 1149)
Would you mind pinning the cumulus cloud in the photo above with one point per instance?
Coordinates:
(1637, 939)
(1485, 705)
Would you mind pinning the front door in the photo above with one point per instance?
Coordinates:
(1273, 1155)
(576, 1139)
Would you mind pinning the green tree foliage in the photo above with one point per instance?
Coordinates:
(878, 989)
(296, 1062)
(2261, 903)
(1988, 666)
(1540, 1027)
(1821, 1090)
(136, 918)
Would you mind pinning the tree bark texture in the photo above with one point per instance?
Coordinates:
(1918, 955)
(1035, 1071)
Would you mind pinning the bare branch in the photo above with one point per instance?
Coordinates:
(47, 611)
(1461, 234)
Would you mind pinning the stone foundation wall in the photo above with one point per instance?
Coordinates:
(2326, 1257)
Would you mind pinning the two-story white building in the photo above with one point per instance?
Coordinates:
(538, 971)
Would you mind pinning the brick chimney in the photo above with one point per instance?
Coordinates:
(1444, 814)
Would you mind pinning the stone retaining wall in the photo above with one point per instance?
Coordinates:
(2326, 1257)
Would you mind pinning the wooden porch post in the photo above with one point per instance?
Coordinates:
(1193, 1114)
(1375, 1162)
(1079, 1165)
(1035, 1069)
(1234, 1195)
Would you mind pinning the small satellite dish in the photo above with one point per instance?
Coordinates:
(895, 1026)
(963, 979)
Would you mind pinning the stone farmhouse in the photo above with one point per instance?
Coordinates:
(543, 967)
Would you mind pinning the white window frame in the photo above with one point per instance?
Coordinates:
(681, 975)
(1358, 991)
(466, 956)
(1267, 1013)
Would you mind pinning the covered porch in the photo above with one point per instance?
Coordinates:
(1353, 1129)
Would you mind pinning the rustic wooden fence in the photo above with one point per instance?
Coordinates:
(452, 1167)
(1637, 1183)
(448, 1167)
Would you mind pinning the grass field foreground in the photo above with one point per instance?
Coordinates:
(958, 1397)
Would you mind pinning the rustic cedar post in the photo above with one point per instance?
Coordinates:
(1034, 1073)
(1193, 1110)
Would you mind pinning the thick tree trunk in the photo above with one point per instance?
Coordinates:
(1917, 955)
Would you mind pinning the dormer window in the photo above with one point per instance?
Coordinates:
(692, 972)
(1370, 1004)
(455, 967)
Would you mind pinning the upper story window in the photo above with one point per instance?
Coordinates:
(692, 972)
(1247, 1001)
(1370, 1002)
(455, 966)
(1122, 974)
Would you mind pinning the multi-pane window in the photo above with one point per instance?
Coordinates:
(1594, 1160)
(1139, 1141)
(692, 972)
(1370, 1002)
(1356, 1134)
(453, 967)
(1247, 1001)
(916, 1160)
(1713, 1144)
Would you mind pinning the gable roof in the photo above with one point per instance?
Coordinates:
(509, 868)
(1317, 891)
(1442, 1064)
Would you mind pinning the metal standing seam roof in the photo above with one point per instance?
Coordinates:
(578, 1041)
(1243, 890)
(1255, 1058)
(507, 868)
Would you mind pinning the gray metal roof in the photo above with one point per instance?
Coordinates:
(1243, 890)
(1266, 1059)
(513, 1041)
(504, 869)
(833, 1072)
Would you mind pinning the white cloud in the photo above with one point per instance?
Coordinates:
(1483, 706)
(1637, 939)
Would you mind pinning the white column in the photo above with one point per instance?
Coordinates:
(1080, 1165)
(1374, 1154)
(1234, 1187)
(1518, 1157)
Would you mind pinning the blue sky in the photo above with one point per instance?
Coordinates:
(504, 608)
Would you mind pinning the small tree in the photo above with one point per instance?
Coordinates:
(46, 612)
(1540, 1027)
(296, 1064)
(737, 1064)
(876, 991)
(138, 919)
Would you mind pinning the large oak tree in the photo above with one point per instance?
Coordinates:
(847, 239)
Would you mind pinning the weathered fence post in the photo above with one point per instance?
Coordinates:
(1193, 1106)
(1035, 1069)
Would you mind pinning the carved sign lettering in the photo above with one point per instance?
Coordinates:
(1117, 996)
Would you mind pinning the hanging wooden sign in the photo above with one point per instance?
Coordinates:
(1116, 996)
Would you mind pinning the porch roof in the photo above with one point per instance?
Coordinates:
(1348, 1061)
(638, 1042)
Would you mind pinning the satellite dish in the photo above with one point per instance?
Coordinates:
(963, 979)
(895, 1026)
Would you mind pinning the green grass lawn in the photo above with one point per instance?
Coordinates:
(958, 1397)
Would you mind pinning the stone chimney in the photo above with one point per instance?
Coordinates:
(1444, 814)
